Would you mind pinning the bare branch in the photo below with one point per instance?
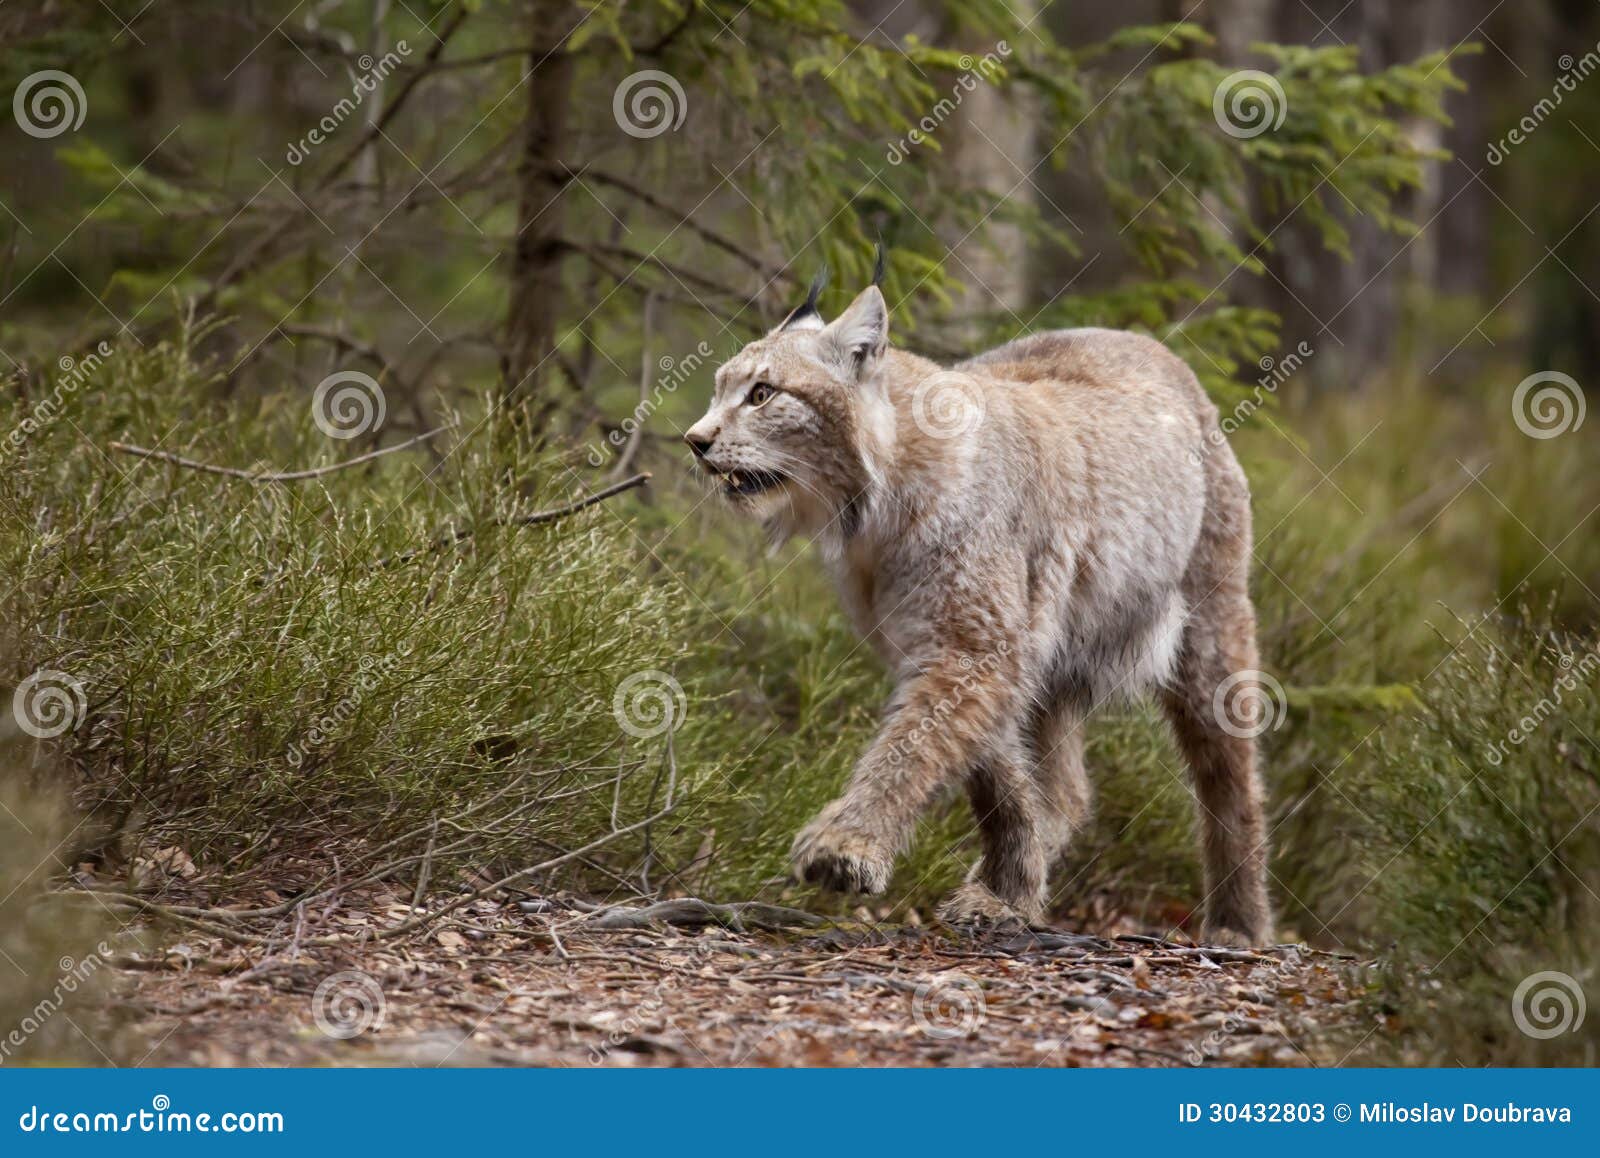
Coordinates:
(538, 518)
(274, 476)
(686, 220)
(630, 451)
(392, 109)
(551, 516)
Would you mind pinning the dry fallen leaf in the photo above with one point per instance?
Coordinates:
(1141, 973)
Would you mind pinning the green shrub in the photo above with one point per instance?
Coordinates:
(55, 955)
(266, 675)
(270, 680)
(1487, 861)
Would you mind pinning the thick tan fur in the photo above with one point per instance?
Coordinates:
(1040, 529)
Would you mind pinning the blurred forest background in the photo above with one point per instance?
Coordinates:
(505, 243)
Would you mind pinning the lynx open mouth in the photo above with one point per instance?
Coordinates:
(745, 483)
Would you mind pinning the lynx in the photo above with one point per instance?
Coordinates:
(1041, 529)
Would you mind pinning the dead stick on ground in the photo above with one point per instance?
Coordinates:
(694, 912)
(279, 476)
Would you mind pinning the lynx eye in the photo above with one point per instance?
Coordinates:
(760, 394)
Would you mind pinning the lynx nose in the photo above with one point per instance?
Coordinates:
(698, 443)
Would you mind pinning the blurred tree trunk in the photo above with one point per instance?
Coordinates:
(990, 141)
(1237, 24)
(1354, 313)
(536, 258)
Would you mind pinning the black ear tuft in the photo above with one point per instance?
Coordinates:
(806, 312)
(880, 264)
(818, 284)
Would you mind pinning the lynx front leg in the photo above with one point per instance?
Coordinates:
(848, 848)
(941, 720)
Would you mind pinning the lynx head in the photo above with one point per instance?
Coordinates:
(800, 420)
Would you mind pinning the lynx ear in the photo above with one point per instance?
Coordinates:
(855, 340)
(805, 316)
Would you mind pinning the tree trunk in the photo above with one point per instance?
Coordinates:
(536, 259)
(988, 142)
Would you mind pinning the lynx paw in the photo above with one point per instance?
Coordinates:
(975, 904)
(840, 855)
(1229, 938)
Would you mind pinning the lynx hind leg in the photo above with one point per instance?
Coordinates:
(1219, 644)
(1008, 882)
(1065, 796)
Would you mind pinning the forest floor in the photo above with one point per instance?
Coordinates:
(555, 982)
